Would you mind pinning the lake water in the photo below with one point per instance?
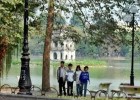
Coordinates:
(115, 72)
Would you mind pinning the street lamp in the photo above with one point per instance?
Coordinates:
(130, 20)
(24, 83)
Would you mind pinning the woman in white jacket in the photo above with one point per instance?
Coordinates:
(78, 85)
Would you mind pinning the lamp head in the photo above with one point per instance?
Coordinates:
(127, 18)
(133, 9)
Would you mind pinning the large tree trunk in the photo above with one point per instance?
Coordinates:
(47, 47)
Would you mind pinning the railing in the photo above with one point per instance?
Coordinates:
(7, 89)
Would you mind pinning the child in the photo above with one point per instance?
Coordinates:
(77, 75)
(84, 78)
(70, 79)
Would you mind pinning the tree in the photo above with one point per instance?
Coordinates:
(10, 28)
(99, 11)
(101, 19)
(47, 47)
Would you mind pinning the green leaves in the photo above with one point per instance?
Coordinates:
(10, 21)
(12, 2)
(72, 33)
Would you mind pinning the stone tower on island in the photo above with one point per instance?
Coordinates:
(61, 50)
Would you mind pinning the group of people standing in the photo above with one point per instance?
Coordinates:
(66, 74)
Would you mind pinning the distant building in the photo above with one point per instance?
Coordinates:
(61, 50)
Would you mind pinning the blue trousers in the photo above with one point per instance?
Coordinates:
(84, 87)
(79, 89)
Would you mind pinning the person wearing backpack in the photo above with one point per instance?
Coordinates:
(84, 79)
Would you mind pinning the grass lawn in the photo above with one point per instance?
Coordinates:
(83, 62)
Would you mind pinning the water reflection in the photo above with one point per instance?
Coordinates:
(116, 72)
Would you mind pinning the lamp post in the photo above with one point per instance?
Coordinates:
(132, 58)
(131, 22)
(24, 83)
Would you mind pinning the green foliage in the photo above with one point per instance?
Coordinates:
(36, 45)
(103, 29)
(8, 60)
(75, 21)
(107, 33)
(72, 33)
(85, 49)
(10, 20)
(59, 20)
(124, 50)
(11, 27)
(102, 17)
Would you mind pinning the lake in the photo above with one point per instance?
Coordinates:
(115, 72)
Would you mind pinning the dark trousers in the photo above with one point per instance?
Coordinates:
(61, 86)
(69, 88)
(79, 89)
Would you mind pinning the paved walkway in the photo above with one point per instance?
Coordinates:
(27, 97)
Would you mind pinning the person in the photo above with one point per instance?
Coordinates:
(61, 77)
(84, 79)
(76, 76)
(70, 79)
